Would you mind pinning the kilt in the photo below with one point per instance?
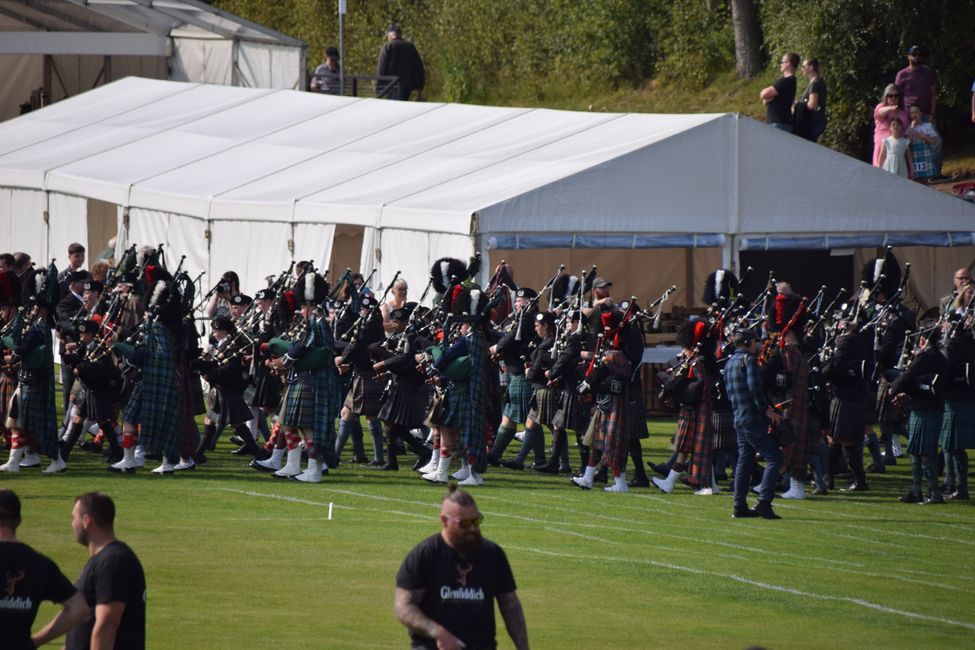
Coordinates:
(636, 416)
(456, 402)
(870, 416)
(684, 436)
(723, 430)
(519, 397)
(405, 405)
(887, 412)
(298, 408)
(958, 426)
(572, 415)
(363, 398)
(7, 386)
(227, 408)
(922, 158)
(544, 405)
(923, 431)
(96, 406)
(267, 391)
(847, 420)
(35, 413)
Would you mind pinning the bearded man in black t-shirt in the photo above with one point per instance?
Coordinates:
(446, 586)
(113, 582)
(778, 97)
(28, 578)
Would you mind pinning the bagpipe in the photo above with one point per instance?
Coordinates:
(354, 333)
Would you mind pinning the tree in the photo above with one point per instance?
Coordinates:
(748, 38)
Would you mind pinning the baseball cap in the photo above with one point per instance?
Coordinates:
(914, 49)
(600, 283)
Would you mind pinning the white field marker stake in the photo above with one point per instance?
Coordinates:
(330, 511)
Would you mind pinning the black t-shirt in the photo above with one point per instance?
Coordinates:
(113, 575)
(459, 593)
(779, 110)
(817, 86)
(28, 578)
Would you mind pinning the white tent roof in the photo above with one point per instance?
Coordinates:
(528, 177)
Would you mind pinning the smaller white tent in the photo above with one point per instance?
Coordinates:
(64, 47)
(250, 178)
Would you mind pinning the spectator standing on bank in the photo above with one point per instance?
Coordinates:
(778, 97)
(923, 138)
(890, 108)
(919, 84)
(326, 78)
(896, 155)
(30, 578)
(810, 110)
(112, 582)
(399, 58)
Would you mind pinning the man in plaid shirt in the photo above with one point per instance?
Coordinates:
(743, 381)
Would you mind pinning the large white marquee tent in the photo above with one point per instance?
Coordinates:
(66, 47)
(248, 179)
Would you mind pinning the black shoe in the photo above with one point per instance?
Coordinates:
(820, 492)
(600, 476)
(910, 497)
(548, 468)
(420, 462)
(513, 464)
(493, 460)
(236, 440)
(857, 487)
(889, 462)
(360, 460)
(376, 463)
(959, 496)
(536, 464)
(390, 467)
(876, 468)
(240, 451)
(639, 483)
(259, 468)
(764, 510)
(721, 477)
(661, 469)
(565, 470)
(744, 513)
(933, 500)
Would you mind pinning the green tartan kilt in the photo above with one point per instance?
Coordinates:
(298, 404)
(33, 405)
(519, 397)
(133, 405)
(456, 396)
(958, 426)
(544, 405)
(364, 397)
(923, 431)
(723, 430)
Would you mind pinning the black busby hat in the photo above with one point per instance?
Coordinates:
(222, 323)
(264, 294)
(692, 332)
(526, 292)
(403, 313)
(546, 317)
(786, 306)
(47, 292)
(78, 276)
(883, 272)
(10, 289)
(443, 270)
(368, 302)
(564, 287)
(471, 301)
(311, 288)
(721, 285)
(241, 300)
(88, 327)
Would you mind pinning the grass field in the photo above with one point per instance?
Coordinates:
(236, 559)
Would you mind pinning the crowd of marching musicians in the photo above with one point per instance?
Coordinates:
(797, 382)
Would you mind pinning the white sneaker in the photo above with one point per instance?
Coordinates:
(139, 457)
(462, 474)
(520, 436)
(704, 492)
(165, 468)
(31, 460)
(582, 482)
(56, 467)
(13, 465)
(311, 475)
(473, 479)
(616, 488)
(184, 464)
(432, 465)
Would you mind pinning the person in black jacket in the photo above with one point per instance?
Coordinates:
(920, 384)
(544, 400)
(958, 425)
(848, 406)
(399, 58)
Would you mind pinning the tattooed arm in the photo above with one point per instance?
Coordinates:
(408, 613)
(514, 619)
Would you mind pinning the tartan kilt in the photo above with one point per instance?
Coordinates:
(723, 429)
(609, 434)
(958, 426)
(364, 397)
(197, 403)
(298, 408)
(544, 405)
(405, 405)
(847, 420)
(923, 432)
(36, 412)
(95, 406)
(684, 436)
(887, 412)
(227, 408)
(519, 397)
(130, 413)
(456, 402)
(572, 415)
(636, 417)
(922, 158)
(6, 392)
(872, 407)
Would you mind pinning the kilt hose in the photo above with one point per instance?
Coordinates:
(958, 426)
(847, 420)
(923, 432)
(364, 396)
(519, 397)
(544, 405)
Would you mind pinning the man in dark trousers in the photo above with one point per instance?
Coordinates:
(30, 578)
(446, 586)
(112, 583)
(399, 58)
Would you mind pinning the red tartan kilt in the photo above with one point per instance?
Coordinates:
(684, 437)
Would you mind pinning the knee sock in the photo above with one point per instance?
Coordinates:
(129, 439)
(345, 430)
(583, 451)
(376, 433)
(854, 457)
(834, 456)
(636, 455)
(74, 432)
(874, 446)
(929, 466)
(504, 437)
(950, 478)
(916, 475)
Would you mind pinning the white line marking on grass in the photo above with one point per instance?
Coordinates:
(326, 505)
(731, 576)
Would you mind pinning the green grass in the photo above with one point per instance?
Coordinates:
(236, 559)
